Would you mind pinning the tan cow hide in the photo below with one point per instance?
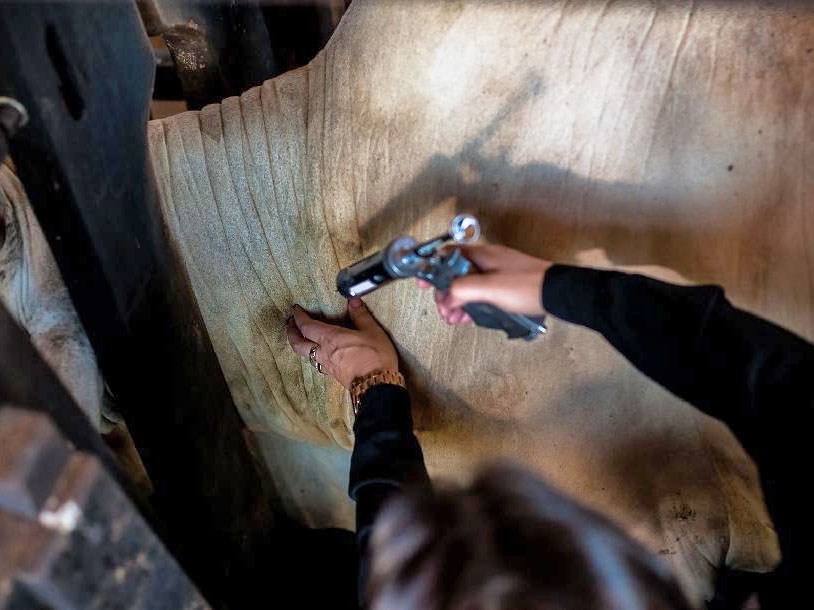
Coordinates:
(674, 135)
(31, 288)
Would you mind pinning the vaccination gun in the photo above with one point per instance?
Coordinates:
(404, 257)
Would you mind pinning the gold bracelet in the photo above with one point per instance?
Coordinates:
(362, 384)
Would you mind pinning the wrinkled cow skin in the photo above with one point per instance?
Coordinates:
(668, 135)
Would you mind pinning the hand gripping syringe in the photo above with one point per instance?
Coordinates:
(404, 257)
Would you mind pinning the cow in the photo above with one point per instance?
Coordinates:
(32, 290)
(673, 136)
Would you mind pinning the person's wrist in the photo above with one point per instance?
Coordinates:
(361, 385)
(372, 367)
(546, 267)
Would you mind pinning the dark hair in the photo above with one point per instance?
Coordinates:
(509, 541)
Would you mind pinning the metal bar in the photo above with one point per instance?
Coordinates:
(84, 71)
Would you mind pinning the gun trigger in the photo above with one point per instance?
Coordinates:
(440, 271)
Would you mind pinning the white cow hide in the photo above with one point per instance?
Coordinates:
(672, 135)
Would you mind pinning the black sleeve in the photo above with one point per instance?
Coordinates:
(386, 456)
(755, 376)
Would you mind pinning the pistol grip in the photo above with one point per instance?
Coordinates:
(514, 325)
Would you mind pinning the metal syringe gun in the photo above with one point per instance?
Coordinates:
(404, 257)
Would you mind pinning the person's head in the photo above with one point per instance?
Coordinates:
(509, 542)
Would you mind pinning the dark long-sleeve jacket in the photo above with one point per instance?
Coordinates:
(386, 456)
(753, 375)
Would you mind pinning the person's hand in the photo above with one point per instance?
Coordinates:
(508, 279)
(344, 353)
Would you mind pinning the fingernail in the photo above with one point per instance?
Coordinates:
(355, 303)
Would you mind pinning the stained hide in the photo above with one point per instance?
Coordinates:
(673, 135)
